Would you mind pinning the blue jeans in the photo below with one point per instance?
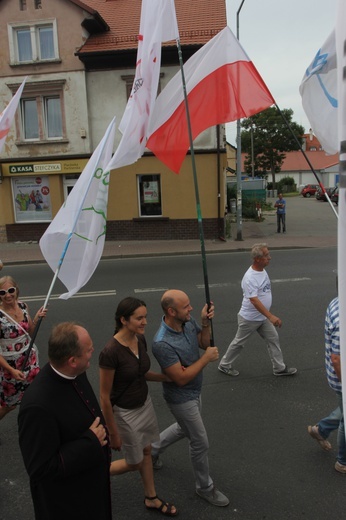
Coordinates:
(341, 457)
(330, 423)
(189, 424)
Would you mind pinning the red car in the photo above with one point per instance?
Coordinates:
(309, 190)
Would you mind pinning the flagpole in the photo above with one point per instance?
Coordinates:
(307, 160)
(198, 205)
(67, 243)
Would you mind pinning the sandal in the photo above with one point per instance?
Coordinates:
(169, 507)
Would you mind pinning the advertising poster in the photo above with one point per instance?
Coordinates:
(151, 192)
(31, 199)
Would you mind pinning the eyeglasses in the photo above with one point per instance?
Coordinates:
(10, 290)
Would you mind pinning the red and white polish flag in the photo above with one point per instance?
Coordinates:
(222, 85)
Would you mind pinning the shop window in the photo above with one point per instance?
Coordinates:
(34, 42)
(149, 194)
(42, 115)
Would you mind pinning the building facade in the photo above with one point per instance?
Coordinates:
(79, 60)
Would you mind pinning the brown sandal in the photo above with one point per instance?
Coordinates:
(168, 511)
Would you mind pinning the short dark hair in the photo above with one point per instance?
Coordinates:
(125, 309)
(63, 343)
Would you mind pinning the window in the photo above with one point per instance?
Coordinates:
(149, 194)
(129, 83)
(32, 43)
(41, 116)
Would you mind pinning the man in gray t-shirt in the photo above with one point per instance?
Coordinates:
(176, 347)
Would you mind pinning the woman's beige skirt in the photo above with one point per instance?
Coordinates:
(137, 428)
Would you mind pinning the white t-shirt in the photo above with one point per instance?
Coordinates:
(255, 283)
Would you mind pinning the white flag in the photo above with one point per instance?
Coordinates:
(74, 241)
(158, 24)
(319, 95)
(341, 80)
(7, 116)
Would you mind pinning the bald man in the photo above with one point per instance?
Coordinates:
(176, 347)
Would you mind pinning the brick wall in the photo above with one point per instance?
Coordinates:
(136, 229)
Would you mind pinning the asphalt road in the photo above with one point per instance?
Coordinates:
(260, 453)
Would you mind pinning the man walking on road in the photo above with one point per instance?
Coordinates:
(321, 431)
(176, 347)
(255, 316)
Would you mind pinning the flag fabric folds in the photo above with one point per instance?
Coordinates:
(74, 241)
(7, 115)
(222, 85)
(340, 36)
(158, 24)
(318, 90)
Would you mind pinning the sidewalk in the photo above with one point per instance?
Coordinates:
(310, 223)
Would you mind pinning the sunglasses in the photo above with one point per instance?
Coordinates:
(10, 290)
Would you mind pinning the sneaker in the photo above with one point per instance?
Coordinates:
(286, 372)
(313, 431)
(228, 371)
(341, 468)
(157, 463)
(214, 497)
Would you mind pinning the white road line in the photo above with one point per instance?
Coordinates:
(151, 289)
(283, 280)
(85, 294)
(229, 284)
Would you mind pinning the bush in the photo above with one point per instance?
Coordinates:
(286, 185)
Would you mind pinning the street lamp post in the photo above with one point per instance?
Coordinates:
(239, 190)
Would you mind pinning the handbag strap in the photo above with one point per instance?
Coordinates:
(15, 322)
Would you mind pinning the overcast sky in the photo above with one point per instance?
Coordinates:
(281, 37)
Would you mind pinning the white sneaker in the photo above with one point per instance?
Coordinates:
(228, 371)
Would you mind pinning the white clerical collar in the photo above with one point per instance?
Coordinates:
(63, 375)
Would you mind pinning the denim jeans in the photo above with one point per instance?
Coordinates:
(341, 434)
(189, 424)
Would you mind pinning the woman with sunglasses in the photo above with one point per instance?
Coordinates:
(125, 401)
(15, 329)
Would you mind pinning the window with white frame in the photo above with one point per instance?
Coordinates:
(149, 194)
(33, 42)
(42, 114)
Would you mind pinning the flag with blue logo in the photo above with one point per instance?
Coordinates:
(318, 90)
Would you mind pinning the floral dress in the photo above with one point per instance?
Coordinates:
(13, 346)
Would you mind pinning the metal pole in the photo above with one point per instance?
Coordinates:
(239, 190)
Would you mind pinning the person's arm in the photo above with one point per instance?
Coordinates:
(16, 374)
(41, 313)
(106, 383)
(204, 335)
(181, 375)
(256, 302)
(157, 377)
(335, 359)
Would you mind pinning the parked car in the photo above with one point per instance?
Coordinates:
(309, 190)
(335, 196)
(319, 195)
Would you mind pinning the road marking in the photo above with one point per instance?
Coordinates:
(86, 294)
(226, 284)
(230, 284)
(291, 280)
(151, 289)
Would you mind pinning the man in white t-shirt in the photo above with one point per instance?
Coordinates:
(255, 315)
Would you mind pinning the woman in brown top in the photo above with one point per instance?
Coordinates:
(125, 401)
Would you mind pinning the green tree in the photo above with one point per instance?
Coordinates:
(267, 137)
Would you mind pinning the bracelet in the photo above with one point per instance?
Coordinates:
(205, 326)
